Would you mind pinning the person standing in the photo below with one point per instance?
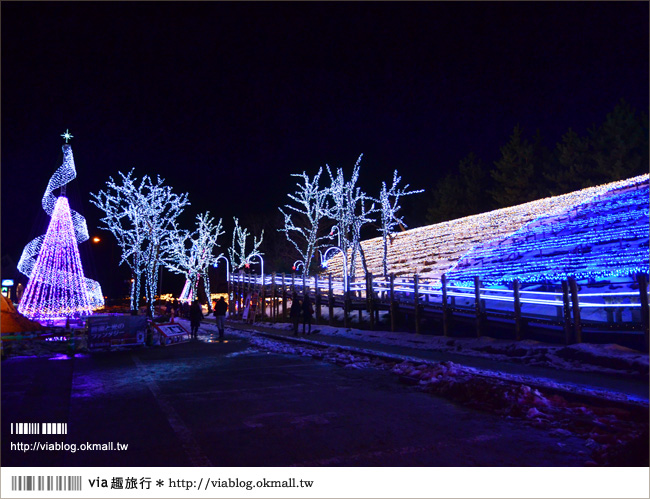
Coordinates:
(220, 309)
(253, 307)
(294, 313)
(196, 314)
(307, 312)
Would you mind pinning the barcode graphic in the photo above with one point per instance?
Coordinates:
(46, 483)
(39, 428)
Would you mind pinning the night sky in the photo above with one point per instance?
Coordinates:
(226, 100)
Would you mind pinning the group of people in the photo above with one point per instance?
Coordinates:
(175, 309)
(304, 309)
(219, 309)
(300, 309)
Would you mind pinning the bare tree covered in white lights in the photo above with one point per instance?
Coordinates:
(140, 214)
(311, 202)
(191, 254)
(351, 209)
(237, 253)
(389, 199)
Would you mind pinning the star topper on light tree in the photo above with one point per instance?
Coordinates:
(67, 135)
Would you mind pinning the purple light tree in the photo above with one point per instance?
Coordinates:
(57, 286)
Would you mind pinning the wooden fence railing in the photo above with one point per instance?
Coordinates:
(622, 306)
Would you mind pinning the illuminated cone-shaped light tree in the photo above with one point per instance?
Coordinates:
(57, 286)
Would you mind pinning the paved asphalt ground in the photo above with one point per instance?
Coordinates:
(210, 404)
(634, 387)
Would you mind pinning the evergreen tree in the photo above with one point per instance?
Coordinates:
(519, 172)
(619, 146)
(460, 193)
(572, 164)
(474, 181)
(446, 199)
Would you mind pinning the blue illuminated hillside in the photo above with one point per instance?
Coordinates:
(602, 238)
(597, 232)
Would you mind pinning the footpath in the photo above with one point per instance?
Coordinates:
(597, 386)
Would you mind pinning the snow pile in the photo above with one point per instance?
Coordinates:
(334, 355)
(38, 347)
(610, 356)
(583, 357)
(615, 436)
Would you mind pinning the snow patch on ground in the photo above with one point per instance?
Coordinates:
(584, 357)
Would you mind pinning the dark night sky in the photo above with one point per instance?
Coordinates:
(226, 100)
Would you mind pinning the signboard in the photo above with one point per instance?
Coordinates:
(172, 333)
(109, 331)
(7, 282)
(247, 307)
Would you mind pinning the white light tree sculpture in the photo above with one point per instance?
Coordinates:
(191, 254)
(311, 202)
(140, 215)
(350, 212)
(239, 257)
(388, 200)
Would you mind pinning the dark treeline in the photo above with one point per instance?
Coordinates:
(528, 170)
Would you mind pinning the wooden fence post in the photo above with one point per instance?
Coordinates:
(477, 305)
(230, 293)
(284, 297)
(245, 288)
(262, 298)
(370, 300)
(330, 299)
(573, 286)
(274, 316)
(317, 298)
(240, 291)
(566, 311)
(517, 305)
(643, 296)
(445, 309)
(393, 305)
(416, 299)
(346, 305)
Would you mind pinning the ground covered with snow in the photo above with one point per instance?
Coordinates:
(584, 357)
